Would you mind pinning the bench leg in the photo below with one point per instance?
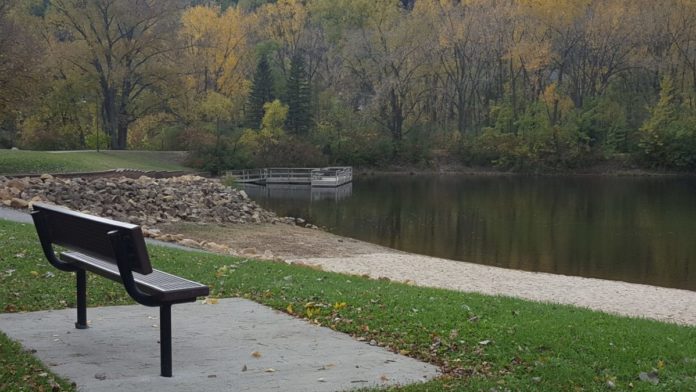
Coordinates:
(81, 299)
(166, 339)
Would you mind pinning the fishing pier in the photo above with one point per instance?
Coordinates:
(316, 177)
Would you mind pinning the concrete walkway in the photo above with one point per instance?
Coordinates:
(235, 345)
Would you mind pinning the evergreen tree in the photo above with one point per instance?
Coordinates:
(261, 93)
(298, 98)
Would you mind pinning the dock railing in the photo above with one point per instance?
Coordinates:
(327, 176)
(332, 176)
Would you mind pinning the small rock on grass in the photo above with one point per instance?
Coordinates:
(650, 377)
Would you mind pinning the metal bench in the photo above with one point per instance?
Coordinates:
(117, 251)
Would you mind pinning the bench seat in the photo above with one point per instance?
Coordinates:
(163, 286)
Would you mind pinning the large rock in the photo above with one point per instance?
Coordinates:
(19, 203)
(17, 184)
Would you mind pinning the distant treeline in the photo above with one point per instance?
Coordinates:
(517, 84)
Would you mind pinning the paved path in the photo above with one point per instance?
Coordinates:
(15, 215)
(24, 217)
(214, 348)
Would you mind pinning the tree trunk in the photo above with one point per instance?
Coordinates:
(397, 120)
(109, 115)
(122, 140)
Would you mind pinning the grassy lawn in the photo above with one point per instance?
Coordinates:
(28, 162)
(483, 343)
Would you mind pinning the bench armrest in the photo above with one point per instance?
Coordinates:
(120, 245)
(46, 245)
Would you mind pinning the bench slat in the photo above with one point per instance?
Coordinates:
(165, 287)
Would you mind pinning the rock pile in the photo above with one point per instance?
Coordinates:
(145, 201)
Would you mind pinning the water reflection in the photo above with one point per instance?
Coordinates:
(631, 229)
(298, 192)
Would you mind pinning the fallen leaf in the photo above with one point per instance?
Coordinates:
(256, 354)
(326, 367)
(289, 309)
(34, 273)
(485, 342)
(270, 370)
(210, 301)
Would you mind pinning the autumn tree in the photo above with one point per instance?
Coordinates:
(21, 54)
(217, 50)
(387, 60)
(123, 46)
(284, 24)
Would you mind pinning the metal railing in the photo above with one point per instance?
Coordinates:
(326, 176)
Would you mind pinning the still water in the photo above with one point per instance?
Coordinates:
(639, 230)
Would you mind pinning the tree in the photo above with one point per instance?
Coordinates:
(217, 50)
(123, 46)
(298, 98)
(668, 137)
(386, 54)
(284, 24)
(21, 56)
(262, 145)
(261, 93)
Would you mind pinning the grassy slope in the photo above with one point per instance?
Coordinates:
(27, 162)
(483, 342)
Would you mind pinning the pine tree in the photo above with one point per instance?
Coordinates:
(656, 132)
(261, 93)
(298, 97)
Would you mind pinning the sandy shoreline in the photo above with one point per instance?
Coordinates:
(627, 299)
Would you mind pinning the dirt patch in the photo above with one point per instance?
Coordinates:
(285, 241)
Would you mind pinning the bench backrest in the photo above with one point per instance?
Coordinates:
(88, 234)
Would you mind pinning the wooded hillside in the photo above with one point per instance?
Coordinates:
(520, 84)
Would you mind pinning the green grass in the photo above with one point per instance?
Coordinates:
(484, 343)
(29, 162)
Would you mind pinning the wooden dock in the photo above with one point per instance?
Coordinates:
(316, 177)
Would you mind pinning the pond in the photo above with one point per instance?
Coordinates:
(634, 229)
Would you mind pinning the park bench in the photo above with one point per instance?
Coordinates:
(117, 251)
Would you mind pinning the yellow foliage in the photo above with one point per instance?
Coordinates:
(219, 54)
(555, 13)
(551, 96)
(284, 22)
